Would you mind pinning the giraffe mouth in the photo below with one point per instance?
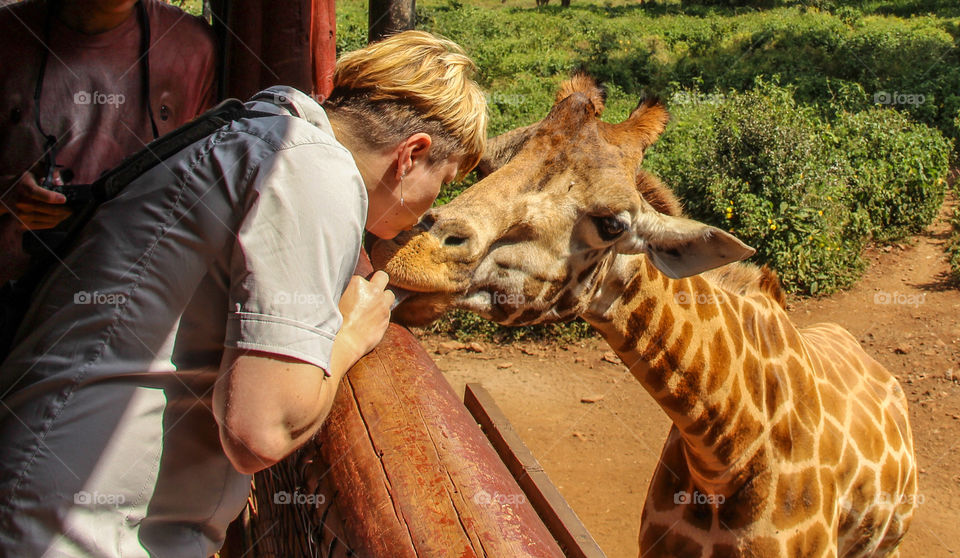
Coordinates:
(400, 295)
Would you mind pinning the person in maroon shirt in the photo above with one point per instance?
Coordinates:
(83, 84)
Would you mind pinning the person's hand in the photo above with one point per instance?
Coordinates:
(365, 306)
(35, 207)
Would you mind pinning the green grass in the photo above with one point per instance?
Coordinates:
(523, 51)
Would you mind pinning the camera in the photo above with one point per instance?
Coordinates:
(39, 242)
(77, 194)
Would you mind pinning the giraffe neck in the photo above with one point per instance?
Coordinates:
(713, 360)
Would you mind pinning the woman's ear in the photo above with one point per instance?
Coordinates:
(414, 148)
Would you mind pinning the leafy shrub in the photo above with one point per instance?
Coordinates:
(806, 193)
(953, 244)
(898, 169)
(953, 250)
(757, 165)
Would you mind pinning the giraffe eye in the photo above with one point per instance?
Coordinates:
(609, 227)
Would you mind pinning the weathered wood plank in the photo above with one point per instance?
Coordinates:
(560, 519)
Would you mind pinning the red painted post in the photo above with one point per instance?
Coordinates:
(279, 43)
(324, 41)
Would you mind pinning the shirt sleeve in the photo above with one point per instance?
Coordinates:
(295, 253)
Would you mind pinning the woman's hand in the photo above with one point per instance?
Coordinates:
(365, 307)
(34, 206)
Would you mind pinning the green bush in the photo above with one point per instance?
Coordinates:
(953, 244)
(898, 169)
(953, 250)
(757, 164)
(805, 192)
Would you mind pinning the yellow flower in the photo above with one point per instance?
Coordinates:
(820, 212)
(773, 227)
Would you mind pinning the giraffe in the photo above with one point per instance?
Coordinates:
(785, 441)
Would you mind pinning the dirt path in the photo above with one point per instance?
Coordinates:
(601, 454)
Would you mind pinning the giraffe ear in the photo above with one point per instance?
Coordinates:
(681, 247)
(641, 129)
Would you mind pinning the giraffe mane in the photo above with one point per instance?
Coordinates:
(746, 278)
(739, 278)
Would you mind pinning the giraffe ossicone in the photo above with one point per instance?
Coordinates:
(785, 441)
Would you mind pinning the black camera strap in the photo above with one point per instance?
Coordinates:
(51, 247)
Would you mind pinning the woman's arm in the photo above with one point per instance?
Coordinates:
(269, 405)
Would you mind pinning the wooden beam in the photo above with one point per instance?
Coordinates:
(560, 519)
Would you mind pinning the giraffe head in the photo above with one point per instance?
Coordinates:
(560, 202)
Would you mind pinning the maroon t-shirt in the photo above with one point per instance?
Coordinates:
(93, 91)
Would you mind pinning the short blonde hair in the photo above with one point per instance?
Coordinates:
(413, 82)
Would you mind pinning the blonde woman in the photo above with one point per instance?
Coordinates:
(199, 330)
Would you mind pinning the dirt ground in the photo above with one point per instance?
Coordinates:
(601, 454)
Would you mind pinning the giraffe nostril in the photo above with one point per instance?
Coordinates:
(428, 220)
(456, 237)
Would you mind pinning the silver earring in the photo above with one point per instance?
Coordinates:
(402, 176)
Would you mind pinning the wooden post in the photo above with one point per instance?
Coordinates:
(276, 43)
(387, 17)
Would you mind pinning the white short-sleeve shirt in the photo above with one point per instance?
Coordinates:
(245, 239)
